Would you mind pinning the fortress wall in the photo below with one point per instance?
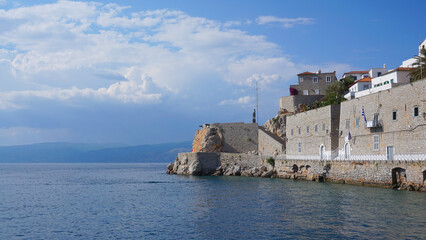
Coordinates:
(238, 137)
(376, 173)
(268, 145)
(291, 102)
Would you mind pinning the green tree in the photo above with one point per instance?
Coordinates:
(334, 93)
(419, 70)
(348, 81)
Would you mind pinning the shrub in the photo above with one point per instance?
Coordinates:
(271, 161)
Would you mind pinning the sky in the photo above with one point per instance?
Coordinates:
(150, 71)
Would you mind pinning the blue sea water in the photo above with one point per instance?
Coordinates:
(139, 201)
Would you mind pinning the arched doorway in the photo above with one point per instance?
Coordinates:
(295, 168)
(347, 150)
(322, 150)
(398, 177)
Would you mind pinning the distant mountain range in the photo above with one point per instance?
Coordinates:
(92, 153)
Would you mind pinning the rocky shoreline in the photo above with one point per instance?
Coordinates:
(252, 165)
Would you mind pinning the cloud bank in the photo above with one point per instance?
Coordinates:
(157, 53)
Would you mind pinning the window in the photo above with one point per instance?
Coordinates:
(317, 91)
(299, 131)
(305, 92)
(364, 76)
(347, 124)
(416, 111)
(386, 82)
(307, 129)
(328, 79)
(379, 74)
(315, 79)
(376, 143)
(301, 79)
(356, 122)
(291, 132)
(323, 126)
(316, 127)
(300, 146)
(394, 115)
(365, 87)
(391, 80)
(390, 152)
(354, 78)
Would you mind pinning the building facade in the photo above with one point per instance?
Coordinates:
(313, 134)
(314, 83)
(387, 125)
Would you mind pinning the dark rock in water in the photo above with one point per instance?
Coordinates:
(170, 168)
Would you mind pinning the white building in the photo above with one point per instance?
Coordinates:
(411, 61)
(390, 79)
(356, 74)
(362, 85)
(374, 72)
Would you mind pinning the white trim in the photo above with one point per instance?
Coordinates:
(341, 157)
(315, 78)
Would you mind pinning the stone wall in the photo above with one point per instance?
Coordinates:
(323, 126)
(290, 103)
(407, 134)
(308, 84)
(375, 173)
(238, 137)
(270, 144)
(242, 160)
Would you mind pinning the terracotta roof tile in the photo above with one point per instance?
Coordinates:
(305, 73)
(366, 79)
(357, 72)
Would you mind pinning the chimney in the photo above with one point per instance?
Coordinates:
(384, 66)
(319, 71)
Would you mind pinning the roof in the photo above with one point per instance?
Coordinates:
(366, 79)
(397, 70)
(305, 73)
(401, 69)
(357, 72)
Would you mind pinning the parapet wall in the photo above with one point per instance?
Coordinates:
(238, 137)
(374, 173)
(291, 102)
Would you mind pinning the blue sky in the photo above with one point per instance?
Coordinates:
(138, 72)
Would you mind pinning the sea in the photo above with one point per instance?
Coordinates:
(140, 201)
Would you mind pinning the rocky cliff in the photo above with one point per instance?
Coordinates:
(207, 139)
(277, 125)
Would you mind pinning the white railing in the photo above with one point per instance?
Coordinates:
(341, 157)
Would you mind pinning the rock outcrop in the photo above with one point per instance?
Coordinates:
(207, 139)
(277, 125)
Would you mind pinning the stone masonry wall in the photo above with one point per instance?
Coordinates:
(269, 145)
(407, 134)
(238, 137)
(322, 123)
(291, 102)
(376, 173)
(308, 84)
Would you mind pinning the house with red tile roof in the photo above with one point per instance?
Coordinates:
(310, 83)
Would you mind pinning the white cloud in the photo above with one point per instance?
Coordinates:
(285, 22)
(172, 51)
(134, 90)
(240, 101)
